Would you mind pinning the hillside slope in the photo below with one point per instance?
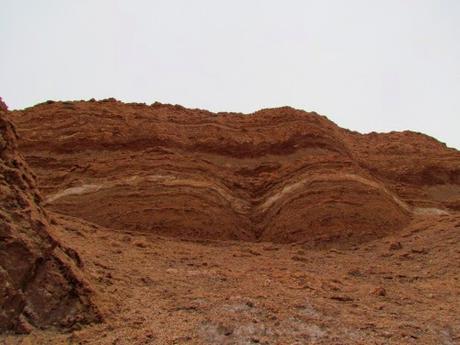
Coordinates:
(276, 227)
(280, 175)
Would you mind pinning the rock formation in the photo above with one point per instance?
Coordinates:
(280, 175)
(40, 282)
(3, 106)
(339, 237)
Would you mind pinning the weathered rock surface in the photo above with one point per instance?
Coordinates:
(40, 283)
(3, 106)
(280, 175)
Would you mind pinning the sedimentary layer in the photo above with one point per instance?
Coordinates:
(280, 175)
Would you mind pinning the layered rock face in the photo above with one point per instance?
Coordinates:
(280, 175)
(40, 282)
(420, 169)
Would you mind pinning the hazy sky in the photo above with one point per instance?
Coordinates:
(367, 64)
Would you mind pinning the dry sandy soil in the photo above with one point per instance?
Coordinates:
(399, 290)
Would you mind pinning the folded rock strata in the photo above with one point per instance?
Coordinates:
(280, 175)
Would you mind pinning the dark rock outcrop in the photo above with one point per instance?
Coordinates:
(40, 285)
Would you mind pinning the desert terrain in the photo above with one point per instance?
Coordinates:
(157, 224)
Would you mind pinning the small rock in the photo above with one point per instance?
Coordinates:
(271, 248)
(3, 143)
(147, 281)
(24, 326)
(396, 246)
(253, 252)
(299, 258)
(336, 251)
(342, 298)
(141, 244)
(386, 334)
(419, 251)
(224, 329)
(355, 273)
(379, 291)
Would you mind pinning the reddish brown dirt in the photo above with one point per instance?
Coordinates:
(403, 289)
(276, 227)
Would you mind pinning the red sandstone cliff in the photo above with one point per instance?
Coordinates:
(281, 175)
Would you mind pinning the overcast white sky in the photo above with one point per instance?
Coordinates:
(367, 64)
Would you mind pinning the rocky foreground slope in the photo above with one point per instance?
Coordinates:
(41, 284)
(165, 225)
(280, 175)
